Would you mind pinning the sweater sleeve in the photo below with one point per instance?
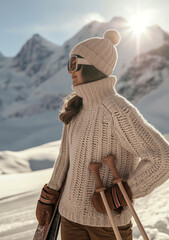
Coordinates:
(62, 162)
(144, 141)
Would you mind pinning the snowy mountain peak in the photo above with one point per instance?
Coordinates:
(37, 39)
(32, 55)
(36, 36)
(37, 45)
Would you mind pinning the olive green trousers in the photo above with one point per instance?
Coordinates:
(74, 231)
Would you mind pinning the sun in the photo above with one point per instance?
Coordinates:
(139, 23)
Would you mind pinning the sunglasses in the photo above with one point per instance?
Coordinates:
(74, 61)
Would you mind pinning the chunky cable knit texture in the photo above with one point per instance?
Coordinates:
(107, 124)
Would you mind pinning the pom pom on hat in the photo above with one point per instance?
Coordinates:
(113, 35)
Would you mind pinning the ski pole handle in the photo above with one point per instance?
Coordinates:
(117, 179)
(94, 167)
(110, 162)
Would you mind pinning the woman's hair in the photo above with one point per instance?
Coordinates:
(73, 103)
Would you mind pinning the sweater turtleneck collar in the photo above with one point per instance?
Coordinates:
(95, 92)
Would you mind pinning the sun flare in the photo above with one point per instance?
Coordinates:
(139, 24)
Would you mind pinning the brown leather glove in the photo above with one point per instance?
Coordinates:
(44, 213)
(45, 205)
(114, 197)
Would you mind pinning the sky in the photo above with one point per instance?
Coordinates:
(58, 20)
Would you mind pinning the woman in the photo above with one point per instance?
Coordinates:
(99, 122)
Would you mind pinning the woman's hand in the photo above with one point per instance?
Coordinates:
(45, 205)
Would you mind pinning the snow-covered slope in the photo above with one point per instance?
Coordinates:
(146, 84)
(33, 159)
(145, 74)
(20, 192)
(156, 103)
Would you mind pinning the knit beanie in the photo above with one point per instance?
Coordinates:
(100, 52)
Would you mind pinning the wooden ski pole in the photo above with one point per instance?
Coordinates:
(94, 167)
(117, 179)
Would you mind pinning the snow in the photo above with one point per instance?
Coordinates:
(36, 158)
(22, 184)
(23, 133)
(20, 192)
(18, 203)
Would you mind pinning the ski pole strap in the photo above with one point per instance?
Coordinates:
(115, 197)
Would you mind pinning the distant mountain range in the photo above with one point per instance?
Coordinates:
(33, 82)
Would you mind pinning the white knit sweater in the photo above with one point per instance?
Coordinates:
(107, 124)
